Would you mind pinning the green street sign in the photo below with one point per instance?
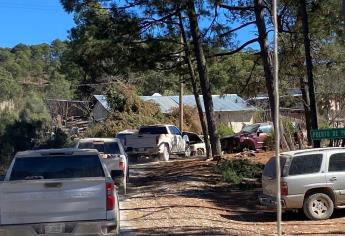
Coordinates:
(336, 133)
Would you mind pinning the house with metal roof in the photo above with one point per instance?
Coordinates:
(229, 109)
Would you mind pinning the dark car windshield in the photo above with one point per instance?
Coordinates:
(57, 167)
(153, 130)
(106, 147)
(193, 138)
(250, 128)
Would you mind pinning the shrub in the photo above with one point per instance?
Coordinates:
(233, 171)
(224, 130)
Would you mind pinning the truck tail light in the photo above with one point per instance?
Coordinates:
(109, 187)
(122, 165)
(125, 142)
(284, 189)
(157, 139)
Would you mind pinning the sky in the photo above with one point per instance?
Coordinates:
(32, 22)
(42, 21)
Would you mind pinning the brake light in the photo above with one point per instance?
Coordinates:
(157, 140)
(125, 142)
(121, 165)
(109, 187)
(284, 189)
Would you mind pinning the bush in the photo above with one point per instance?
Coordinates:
(224, 130)
(233, 171)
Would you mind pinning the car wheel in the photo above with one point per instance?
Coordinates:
(200, 152)
(187, 152)
(318, 206)
(164, 156)
(124, 185)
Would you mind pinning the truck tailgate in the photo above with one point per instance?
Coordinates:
(37, 201)
(142, 140)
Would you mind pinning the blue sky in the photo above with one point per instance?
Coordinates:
(32, 22)
(42, 21)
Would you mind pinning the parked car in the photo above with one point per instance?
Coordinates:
(196, 144)
(58, 192)
(251, 137)
(312, 180)
(157, 140)
(113, 155)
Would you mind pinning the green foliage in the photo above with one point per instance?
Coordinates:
(233, 171)
(57, 139)
(236, 74)
(34, 109)
(128, 112)
(224, 130)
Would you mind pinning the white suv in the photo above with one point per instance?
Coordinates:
(311, 179)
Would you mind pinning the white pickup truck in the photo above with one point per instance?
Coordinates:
(58, 192)
(113, 155)
(157, 140)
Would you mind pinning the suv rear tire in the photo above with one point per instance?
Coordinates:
(318, 206)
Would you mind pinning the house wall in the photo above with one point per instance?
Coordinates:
(235, 119)
(99, 112)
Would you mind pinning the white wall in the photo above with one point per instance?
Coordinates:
(235, 119)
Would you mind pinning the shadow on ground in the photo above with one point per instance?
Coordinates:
(193, 178)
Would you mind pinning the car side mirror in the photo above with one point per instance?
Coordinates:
(116, 174)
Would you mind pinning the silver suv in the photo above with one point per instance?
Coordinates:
(312, 180)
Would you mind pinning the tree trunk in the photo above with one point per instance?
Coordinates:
(265, 55)
(188, 60)
(306, 106)
(267, 62)
(309, 65)
(204, 81)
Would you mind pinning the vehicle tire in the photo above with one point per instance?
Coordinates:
(200, 152)
(318, 206)
(187, 152)
(127, 175)
(124, 186)
(165, 155)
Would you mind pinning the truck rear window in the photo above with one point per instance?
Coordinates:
(153, 130)
(56, 167)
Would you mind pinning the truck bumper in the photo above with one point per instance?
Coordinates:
(269, 201)
(143, 151)
(85, 228)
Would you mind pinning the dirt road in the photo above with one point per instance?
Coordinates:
(186, 197)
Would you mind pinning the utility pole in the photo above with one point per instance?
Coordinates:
(181, 104)
(276, 117)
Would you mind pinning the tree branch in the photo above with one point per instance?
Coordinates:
(250, 75)
(237, 8)
(235, 29)
(236, 50)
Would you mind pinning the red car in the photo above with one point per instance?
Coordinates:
(251, 137)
